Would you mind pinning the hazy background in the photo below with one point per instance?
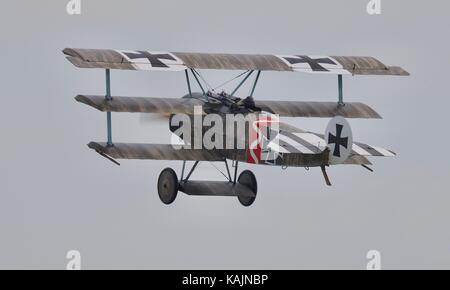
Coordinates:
(57, 195)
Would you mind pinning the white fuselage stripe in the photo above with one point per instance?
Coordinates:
(276, 147)
(295, 144)
(312, 139)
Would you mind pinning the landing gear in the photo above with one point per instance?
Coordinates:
(248, 179)
(167, 185)
(244, 187)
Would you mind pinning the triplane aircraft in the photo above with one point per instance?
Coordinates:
(287, 146)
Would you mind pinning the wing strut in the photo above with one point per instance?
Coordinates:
(108, 114)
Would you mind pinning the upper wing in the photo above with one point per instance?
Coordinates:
(175, 61)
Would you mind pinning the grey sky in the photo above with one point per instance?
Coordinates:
(57, 195)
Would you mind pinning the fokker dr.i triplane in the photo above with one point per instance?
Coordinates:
(267, 140)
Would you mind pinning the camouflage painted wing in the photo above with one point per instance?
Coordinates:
(140, 104)
(317, 109)
(177, 61)
(154, 151)
(186, 106)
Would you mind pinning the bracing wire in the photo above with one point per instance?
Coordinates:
(219, 170)
(203, 79)
(229, 81)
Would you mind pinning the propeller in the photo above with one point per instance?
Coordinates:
(152, 118)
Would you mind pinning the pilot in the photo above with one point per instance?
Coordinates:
(249, 103)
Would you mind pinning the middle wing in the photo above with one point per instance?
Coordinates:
(141, 105)
(186, 106)
(317, 109)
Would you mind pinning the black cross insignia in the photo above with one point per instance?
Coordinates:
(337, 140)
(313, 63)
(154, 59)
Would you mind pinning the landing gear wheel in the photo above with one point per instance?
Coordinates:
(248, 179)
(167, 185)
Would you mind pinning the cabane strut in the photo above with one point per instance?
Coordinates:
(341, 91)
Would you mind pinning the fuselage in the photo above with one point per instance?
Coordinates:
(222, 121)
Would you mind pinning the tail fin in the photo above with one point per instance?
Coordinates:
(339, 139)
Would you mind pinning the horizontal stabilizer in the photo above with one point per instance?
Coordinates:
(357, 160)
